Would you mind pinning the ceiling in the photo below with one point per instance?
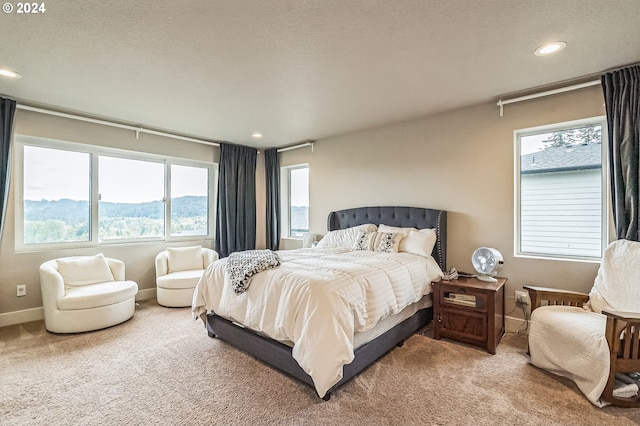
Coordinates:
(301, 69)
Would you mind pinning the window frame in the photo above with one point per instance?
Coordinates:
(285, 202)
(604, 182)
(212, 170)
(20, 141)
(95, 179)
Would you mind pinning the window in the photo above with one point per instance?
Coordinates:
(131, 194)
(80, 195)
(57, 196)
(296, 210)
(189, 200)
(560, 201)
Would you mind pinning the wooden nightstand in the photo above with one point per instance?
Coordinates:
(470, 311)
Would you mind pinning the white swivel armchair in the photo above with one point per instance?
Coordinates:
(178, 271)
(85, 293)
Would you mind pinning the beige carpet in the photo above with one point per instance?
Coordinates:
(160, 368)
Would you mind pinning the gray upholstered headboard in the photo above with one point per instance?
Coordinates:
(415, 217)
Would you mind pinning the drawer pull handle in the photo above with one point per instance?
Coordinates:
(439, 319)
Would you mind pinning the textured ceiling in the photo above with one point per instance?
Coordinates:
(301, 69)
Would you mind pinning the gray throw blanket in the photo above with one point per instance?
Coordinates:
(242, 265)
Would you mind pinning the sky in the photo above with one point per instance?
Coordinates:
(53, 174)
(299, 187)
(532, 143)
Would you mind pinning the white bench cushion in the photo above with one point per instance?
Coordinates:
(181, 279)
(95, 295)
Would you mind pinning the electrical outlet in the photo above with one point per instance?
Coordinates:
(21, 290)
(522, 297)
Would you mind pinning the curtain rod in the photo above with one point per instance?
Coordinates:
(501, 102)
(302, 145)
(138, 130)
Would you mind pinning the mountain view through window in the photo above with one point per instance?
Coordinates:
(57, 198)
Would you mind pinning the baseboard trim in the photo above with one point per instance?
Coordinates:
(513, 324)
(18, 317)
(37, 314)
(145, 294)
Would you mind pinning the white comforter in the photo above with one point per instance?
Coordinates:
(318, 299)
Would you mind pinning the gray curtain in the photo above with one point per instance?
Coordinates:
(272, 176)
(236, 211)
(7, 112)
(622, 102)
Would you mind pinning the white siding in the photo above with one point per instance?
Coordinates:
(561, 213)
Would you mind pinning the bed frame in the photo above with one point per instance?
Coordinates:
(279, 355)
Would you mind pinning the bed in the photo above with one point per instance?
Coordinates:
(367, 343)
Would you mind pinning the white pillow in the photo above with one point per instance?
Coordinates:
(386, 228)
(416, 241)
(386, 242)
(184, 258)
(84, 270)
(345, 237)
(419, 242)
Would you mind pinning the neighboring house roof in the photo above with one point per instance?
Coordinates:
(566, 158)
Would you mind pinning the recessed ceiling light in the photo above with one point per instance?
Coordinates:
(256, 135)
(550, 48)
(8, 73)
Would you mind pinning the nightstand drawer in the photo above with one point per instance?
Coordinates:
(462, 325)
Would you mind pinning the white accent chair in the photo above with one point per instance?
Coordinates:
(178, 271)
(85, 293)
(593, 339)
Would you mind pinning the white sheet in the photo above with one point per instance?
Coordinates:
(570, 342)
(318, 299)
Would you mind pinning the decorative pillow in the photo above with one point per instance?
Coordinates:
(364, 241)
(184, 258)
(416, 241)
(84, 270)
(345, 237)
(386, 242)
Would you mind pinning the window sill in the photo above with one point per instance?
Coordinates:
(557, 258)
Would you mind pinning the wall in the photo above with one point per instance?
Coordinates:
(460, 161)
(22, 268)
